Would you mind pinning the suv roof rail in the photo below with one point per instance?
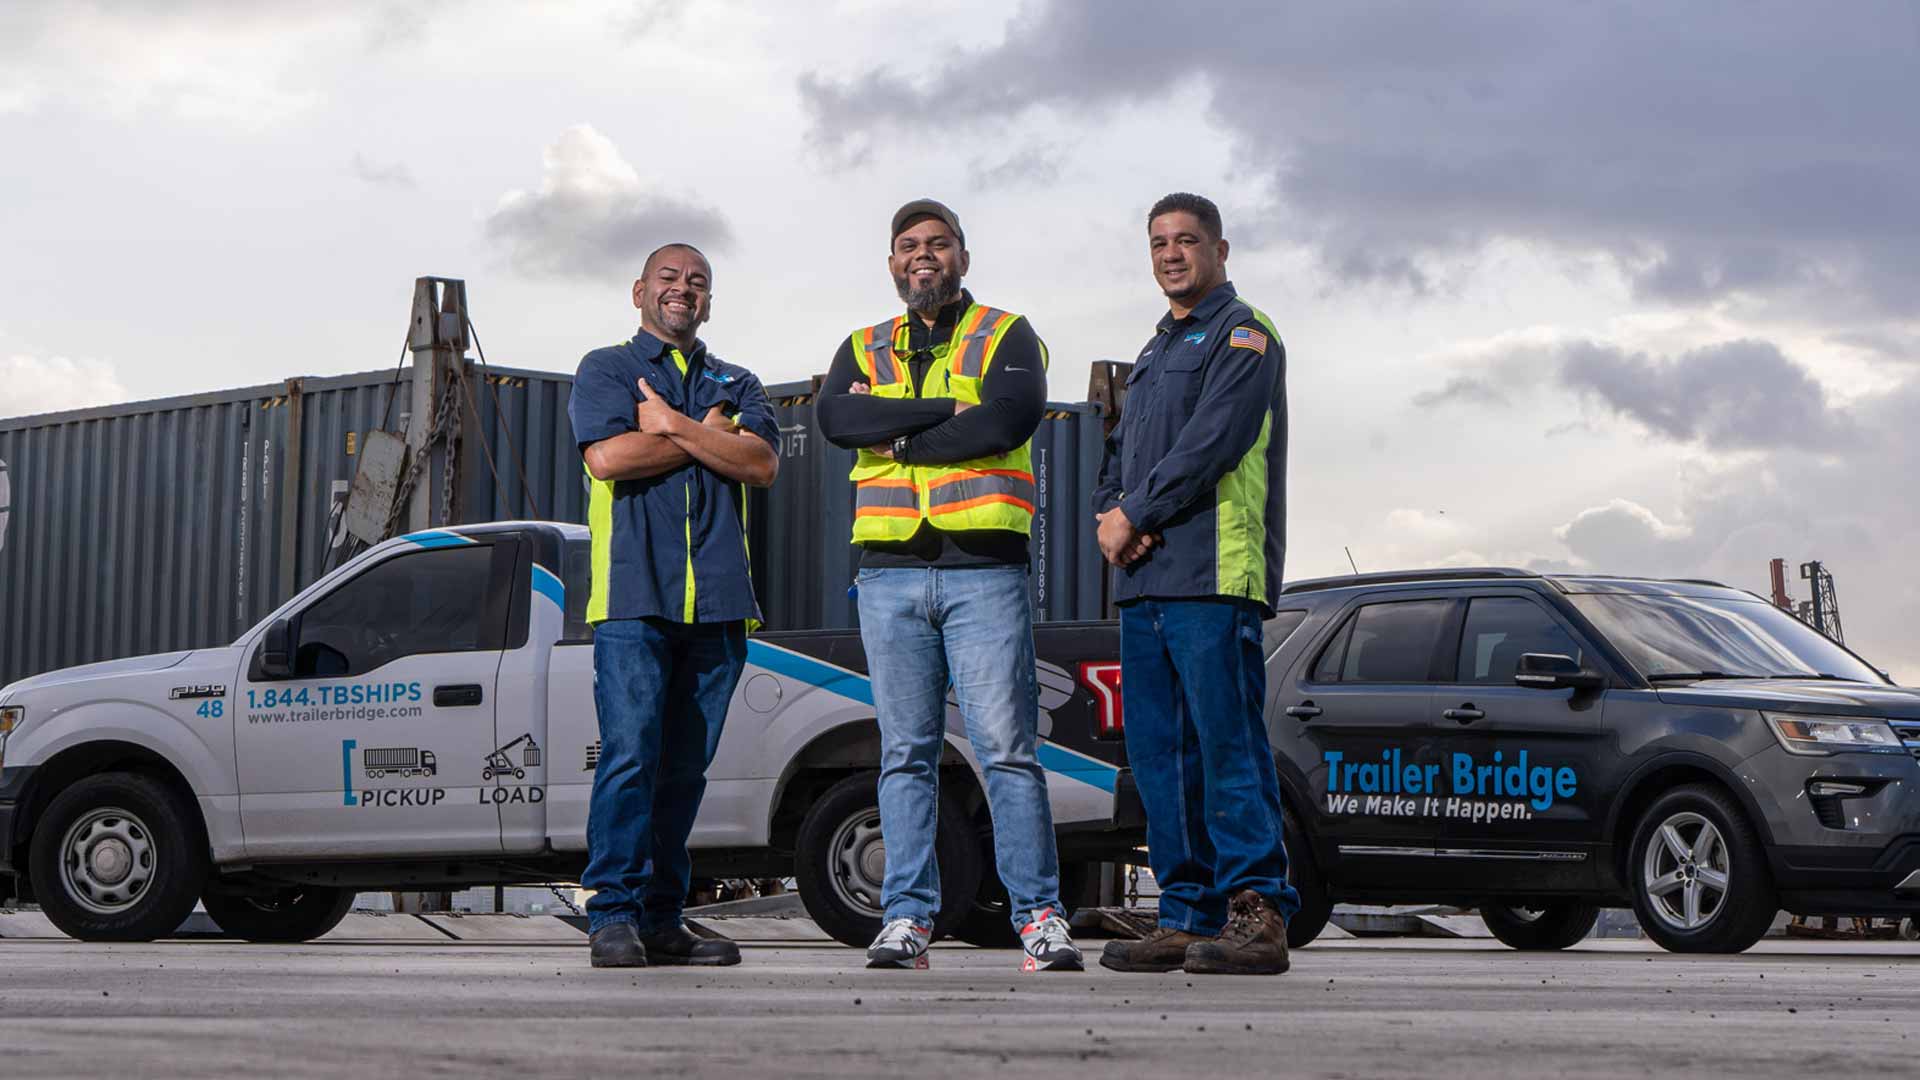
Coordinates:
(1654, 580)
(1411, 576)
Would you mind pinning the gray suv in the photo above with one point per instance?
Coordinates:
(1542, 747)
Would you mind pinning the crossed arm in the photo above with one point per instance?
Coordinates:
(667, 440)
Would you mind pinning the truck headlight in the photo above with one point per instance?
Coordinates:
(11, 716)
(1823, 735)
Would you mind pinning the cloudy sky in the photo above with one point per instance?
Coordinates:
(1625, 287)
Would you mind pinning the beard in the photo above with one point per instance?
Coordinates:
(943, 290)
(674, 322)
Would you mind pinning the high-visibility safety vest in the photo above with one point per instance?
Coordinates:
(890, 499)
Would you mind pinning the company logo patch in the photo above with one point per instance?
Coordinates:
(718, 377)
(1196, 337)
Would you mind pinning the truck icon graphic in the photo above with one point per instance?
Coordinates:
(402, 761)
(500, 763)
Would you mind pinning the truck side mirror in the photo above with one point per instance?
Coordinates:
(1552, 671)
(276, 650)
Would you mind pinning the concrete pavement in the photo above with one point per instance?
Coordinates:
(1349, 1009)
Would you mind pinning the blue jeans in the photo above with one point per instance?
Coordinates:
(973, 629)
(661, 689)
(1193, 690)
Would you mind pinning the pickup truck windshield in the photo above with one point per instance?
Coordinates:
(1713, 637)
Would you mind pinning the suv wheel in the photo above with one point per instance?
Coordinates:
(1316, 907)
(840, 862)
(1540, 927)
(118, 857)
(296, 914)
(1699, 876)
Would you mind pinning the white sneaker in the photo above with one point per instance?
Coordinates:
(1049, 944)
(902, 944)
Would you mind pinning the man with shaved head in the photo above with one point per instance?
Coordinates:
(670, 435)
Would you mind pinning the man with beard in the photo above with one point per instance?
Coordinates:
(1192, 510)
(941, 403)
(670, 434)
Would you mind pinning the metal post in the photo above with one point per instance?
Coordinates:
(438, 341)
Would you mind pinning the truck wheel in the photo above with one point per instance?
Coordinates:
(1542, 927)
(1699, 876)
(989, 922)
(840, 862)
(1303, 873)
(118, 857)
(296, 914)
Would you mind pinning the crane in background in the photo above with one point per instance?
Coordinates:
(1822, 612)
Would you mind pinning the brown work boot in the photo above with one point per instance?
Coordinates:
(1254, 942)
(1163, 950)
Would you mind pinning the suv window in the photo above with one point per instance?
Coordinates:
(1275, 631)
(1385, 643)
(1501, 629)
(433, 601)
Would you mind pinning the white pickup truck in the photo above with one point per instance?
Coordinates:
(423, 718)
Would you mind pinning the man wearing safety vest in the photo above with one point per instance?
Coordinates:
(941, 403)
(1192, 506)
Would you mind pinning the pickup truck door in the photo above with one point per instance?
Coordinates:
(383, 741)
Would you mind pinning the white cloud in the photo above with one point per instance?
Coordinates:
(593, 216)
(29, 385)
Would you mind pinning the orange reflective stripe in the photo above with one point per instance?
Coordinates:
(886, 497)
(877, 355)
(974, 338)
(967, 474)
(961, 490)
(983, 500)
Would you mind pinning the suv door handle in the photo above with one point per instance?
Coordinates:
(1466, 714)
(1306, 710)
(453, 697)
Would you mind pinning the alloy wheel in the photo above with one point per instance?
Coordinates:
(1686, 871)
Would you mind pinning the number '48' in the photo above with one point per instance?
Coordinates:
(213, 708)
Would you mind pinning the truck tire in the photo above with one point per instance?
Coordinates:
(118, 857)
(1303, 873)
(1698, 873)
(840, 862)
(988, 922)
(295, 914)
(1543, 928)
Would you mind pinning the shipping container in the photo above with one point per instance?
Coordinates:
(178, 523)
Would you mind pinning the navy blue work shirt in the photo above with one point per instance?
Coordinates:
(672, 546)
(1200, 456)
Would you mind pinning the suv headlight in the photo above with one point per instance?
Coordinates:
(11, 716)
(1823, 735)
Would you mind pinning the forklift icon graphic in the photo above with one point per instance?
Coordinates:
(499, 763)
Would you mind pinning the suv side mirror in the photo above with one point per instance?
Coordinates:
(1552, 671)
(276, 650)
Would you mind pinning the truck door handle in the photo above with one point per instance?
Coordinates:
(1306, 710)
(453, 697)
(1466, 714)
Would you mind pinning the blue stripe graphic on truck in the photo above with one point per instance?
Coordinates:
(549, 586)
(436, 538)
(857, 687)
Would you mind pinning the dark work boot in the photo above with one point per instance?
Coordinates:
(1165, 949)
(617, 945)
(682, 946)
(1254, 942)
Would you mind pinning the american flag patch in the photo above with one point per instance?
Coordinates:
(1243, 338)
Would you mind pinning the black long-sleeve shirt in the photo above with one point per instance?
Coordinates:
(1013, 397)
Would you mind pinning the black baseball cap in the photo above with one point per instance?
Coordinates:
(926, 208)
